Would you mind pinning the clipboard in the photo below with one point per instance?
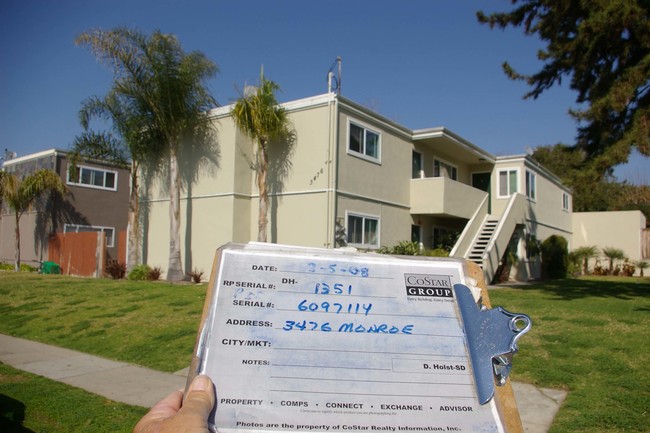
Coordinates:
(319, 340)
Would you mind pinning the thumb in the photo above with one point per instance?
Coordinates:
(198, 402)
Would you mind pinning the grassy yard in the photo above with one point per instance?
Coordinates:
(30, 403)
(589, 336)
(152, 324)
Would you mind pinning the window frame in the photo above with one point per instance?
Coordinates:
(89, 185)
(110, 240)
(362, 154)
(565, 201)
(531, 185)
(363, 217)
(448, 164)
(420, 173)
(508, 170)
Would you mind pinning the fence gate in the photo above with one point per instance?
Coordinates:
(82, 254)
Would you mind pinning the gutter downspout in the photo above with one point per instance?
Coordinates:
(332, 153)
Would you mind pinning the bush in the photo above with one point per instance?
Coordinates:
(438, 252)
(115, 269)
(155, 273)
(140, 273)
(406, 248)
(555, 257)
(196, 276)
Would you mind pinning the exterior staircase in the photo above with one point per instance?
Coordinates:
(483, 240)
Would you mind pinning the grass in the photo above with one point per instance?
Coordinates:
(152, 324)
(590, 337)
(30, 403)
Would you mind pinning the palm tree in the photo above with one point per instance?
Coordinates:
(641, 264)
(585, 254)
(164, 86)
(612, 255)
(258, 115)
(20, 195)
(131, 145)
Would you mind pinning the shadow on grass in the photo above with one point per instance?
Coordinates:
(12, 415)
(578, 288)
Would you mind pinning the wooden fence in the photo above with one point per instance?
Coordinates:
(645, 244)
(81, 254)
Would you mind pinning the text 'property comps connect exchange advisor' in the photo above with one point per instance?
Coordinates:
(327, 341)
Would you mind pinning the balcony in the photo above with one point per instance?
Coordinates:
(444, 197)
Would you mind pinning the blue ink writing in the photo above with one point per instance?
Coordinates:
(335, 307)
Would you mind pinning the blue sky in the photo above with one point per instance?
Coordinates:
(422, 63)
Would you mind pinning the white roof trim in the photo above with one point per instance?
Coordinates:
(36, 155)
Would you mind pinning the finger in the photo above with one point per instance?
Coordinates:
(199, 401)
(162, 410)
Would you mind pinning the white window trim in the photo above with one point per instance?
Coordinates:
(568, 204)
(507, 169)
(348, 214)
(362, 155)
(110, 240)
(435, 158)
(85, 185)
(533, 182)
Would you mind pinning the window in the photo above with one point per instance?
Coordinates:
(109, 231)
(565, 202)
(363, 230)
(94, 178)
(443, 169)
(417, 166)
(364, 142)
(508, 182)
(531, 185)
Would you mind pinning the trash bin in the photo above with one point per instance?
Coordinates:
(51, 268)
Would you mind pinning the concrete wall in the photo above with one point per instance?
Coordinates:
(622, 229)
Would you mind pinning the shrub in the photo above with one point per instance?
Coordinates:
(154, 273)
(115, 269)
(139, 273)
(628, 268)
(438, 252)
(196, 276)
(555, 257)
(641, 264)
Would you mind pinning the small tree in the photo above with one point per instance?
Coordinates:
(20, 195)
(584, 254)
(555, 257)
(612, 255)
(641, 264)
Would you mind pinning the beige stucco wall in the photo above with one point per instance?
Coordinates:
(621, 229)
(222, 204)
(544, 215)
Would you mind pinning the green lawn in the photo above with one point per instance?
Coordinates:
(30, 403)
(152, 324)
(589, 336)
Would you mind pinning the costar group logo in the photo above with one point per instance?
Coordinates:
(437, 286)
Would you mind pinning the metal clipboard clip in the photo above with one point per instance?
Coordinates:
(492, 336)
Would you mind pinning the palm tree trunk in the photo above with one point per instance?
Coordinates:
(134, 220)
(175, 268)
(262, 171)
(17, 240)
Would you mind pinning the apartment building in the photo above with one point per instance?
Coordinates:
(97, 200)
(353, 177)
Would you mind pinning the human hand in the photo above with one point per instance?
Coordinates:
(173, 415)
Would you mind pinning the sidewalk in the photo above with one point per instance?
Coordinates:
(141, 386)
